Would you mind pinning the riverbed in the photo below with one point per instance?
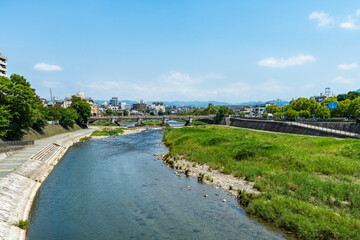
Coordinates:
(113, 188)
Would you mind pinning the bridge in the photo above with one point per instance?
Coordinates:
(165, 118)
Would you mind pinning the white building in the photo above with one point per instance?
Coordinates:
(3, 65)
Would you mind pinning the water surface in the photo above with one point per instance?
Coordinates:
(113, 189)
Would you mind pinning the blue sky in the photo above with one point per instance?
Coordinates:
(232, 51)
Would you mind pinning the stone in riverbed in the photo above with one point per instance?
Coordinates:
(206, 195)
(224, 200)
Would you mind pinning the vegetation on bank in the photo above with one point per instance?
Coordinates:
(103, 123)
(152, 123)
(23, 224)
(21, 109)
(348, 105)
(310, 185)
(219, 112)
(108, 132)
(195, 122)
(47, 131)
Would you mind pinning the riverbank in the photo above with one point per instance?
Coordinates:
(308, 186)
(18, 189)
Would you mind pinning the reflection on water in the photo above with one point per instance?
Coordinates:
(113, 189)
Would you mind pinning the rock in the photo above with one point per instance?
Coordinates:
(224, 200)
(236, 205)
(206, 195)
(217, 188)
(217, 194)
(188, 186)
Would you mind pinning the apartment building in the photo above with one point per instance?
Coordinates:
(3, 64)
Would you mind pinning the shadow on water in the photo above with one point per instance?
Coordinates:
(113, 189)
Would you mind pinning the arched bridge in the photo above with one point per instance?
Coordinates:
(140, 118)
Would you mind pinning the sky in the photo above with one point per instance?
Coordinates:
(188, 50)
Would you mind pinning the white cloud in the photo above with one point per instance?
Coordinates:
(345, 66)
(342, 80)
(47, 67)
(324, 19)
(273, 62)
(349, 24)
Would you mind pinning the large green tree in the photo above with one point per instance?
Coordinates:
(354, 107)
(82, 108)
(23, 106)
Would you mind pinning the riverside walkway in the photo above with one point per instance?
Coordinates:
(40, 150)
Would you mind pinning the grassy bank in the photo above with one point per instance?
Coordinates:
(152, 123)
(103, 123)
(48, 131)
(310, 186)
(108, 132)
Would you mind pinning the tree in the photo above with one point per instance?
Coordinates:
(161, 113)
(354, 107)
(304, 114)
(350, 95)
(53, 113)
(109, 112)
(152, 113)
(82, 108)
(322, 112)
(125, 113)
(21, 103)
(304, 104)
(291, 114)
(4, 121)
(343, 108)
(272, 109)
(168, 112)
(68, 117)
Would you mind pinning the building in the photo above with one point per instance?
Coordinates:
(3, 65)
(67, 102)
(328, 93)
(140, 105)
(114, 101)
(125, 106)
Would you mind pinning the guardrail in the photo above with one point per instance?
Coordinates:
(14, 145)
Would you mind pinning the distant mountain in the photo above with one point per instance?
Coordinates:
(357, 90)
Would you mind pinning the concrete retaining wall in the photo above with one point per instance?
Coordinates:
(18, 189)
(275, 126)
(341, 126)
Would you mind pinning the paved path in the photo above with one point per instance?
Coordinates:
(17, 158)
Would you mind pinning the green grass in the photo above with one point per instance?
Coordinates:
(85, 139)
(108, 132)
(153, 123)
(23, 224)
(47, 131)
(195, 122)
(310, 185)
(103, 123)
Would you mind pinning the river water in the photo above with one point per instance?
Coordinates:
(113, 188)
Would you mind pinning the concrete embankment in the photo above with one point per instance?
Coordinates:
(18, 188)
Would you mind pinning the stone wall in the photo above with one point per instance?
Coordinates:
(341, 126)
(277, 126)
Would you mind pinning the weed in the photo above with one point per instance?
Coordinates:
(201, 177)
(23, 224)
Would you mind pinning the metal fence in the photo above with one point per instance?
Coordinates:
(14, 145)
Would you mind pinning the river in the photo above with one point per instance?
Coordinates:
(113, 188)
